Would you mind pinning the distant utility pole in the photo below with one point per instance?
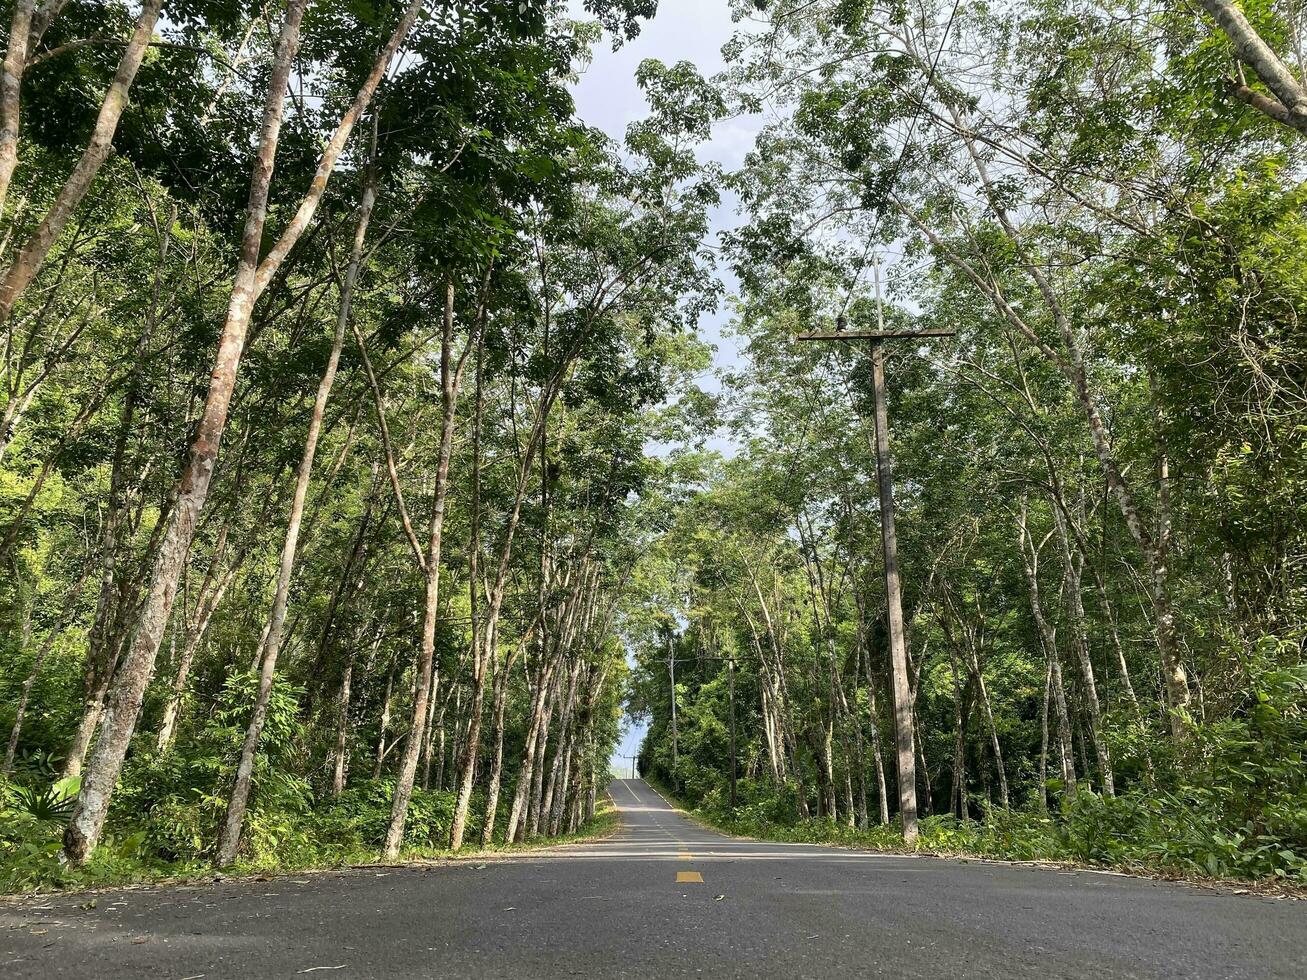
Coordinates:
(632, 759)
(671, 669)
(898, 648)
(730, 666)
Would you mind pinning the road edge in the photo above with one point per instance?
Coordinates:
(493, 855)
(1226, 886)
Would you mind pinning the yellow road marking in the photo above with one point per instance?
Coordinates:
(688, 877)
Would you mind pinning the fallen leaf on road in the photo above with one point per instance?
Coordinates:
(719, 898)
(194, 976)
(315, 969)
(511, 908)
(814, 936)
(140, 939)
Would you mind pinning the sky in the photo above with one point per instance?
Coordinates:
(608, 97)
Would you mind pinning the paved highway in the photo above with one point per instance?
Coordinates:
(663, 898)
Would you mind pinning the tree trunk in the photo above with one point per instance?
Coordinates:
(1048, 641)
(384, 724)
(876, 754)
(1072, 576)
(124, 706)
(449, 378)
(171, 711)
(229, 841)
(27, 263)
(531, 825)
(340, 754)
(496, 760)
(525, 776)
(66, 616)
(543, 799)
(1290, 103)
(958, 794)
(993, 731)
(1043, 736)
(1063, 730)
(11, 81)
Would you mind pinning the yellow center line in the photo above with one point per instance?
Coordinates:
(689, 877)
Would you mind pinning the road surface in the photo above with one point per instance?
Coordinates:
(663, 898)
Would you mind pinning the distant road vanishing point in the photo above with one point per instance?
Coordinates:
(663, 897)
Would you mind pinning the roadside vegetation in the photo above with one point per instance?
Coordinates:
(360, 461)
(1099, 474)
(324, 400)
(291, 836)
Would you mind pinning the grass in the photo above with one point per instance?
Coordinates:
(1017, 836)
(31, 867)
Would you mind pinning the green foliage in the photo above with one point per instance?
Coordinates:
(1237, 810)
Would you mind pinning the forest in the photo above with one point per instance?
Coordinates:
(363, 462)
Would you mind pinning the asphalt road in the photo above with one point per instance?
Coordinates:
(663, 898)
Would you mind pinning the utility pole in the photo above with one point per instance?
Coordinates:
(671, 667)
(898, 647)
(632, 759)
(730, 667)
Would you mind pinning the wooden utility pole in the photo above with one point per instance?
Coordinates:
(898, 646)
(671, 669)
(730, 666)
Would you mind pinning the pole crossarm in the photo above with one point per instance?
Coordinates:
(876, 334)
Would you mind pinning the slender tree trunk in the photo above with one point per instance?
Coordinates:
(11, 82)
(427, 739)
(102, 671)
(1043, 736)
(1047, 640)
(171, 711)
(496, 760)
(525, 776)
(993, 732)
(66, 616)
(877, 755)
(449, 378)
(1063, 730)
(485, 634)
(27, 263)
(960, 712)
(380, 755)
(1080, 644)
(229, 842)
(340, 754)
(543, 800)
(92, 807)
(531, 825)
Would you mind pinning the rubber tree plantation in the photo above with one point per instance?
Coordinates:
(365, 462)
